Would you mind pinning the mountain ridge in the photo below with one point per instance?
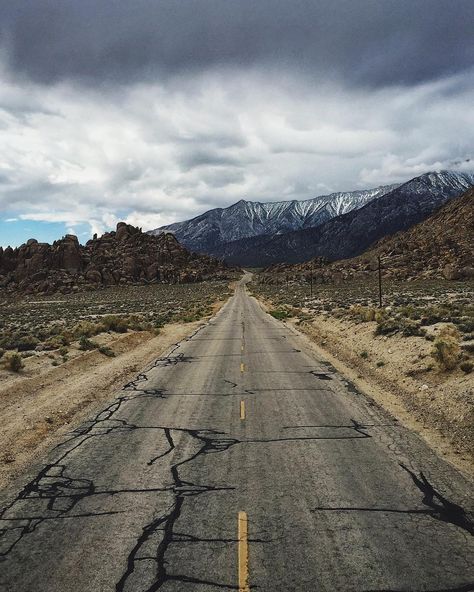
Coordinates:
(352, 233)
(442, 245)
(244, 219)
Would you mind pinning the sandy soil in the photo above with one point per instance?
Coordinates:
(43, 402)
(438, 405)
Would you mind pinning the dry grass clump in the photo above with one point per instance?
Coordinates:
(467, 367)
(446, 350)
(15, 362)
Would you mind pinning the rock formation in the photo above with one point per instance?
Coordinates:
(126, 256)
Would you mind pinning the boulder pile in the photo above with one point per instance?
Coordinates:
(125, 256)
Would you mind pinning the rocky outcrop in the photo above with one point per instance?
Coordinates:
(441, 246)
(126, 256)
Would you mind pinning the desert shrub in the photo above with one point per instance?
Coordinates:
(436, 314)
(446, 350)
(410, 328)
(56, 341)
(466, 326)
(15, 362)
(86, 344)
(26, 343)
(116, 323)
(387, 327)
(106, 351)
(364, 354)
(280, 314)
(2, 353)
(380, 364)
(87, 329)
(19, 341)
(466, 367)
(365, 314)
(409, 311)
(390, 326)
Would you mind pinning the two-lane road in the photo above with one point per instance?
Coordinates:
(240, 461)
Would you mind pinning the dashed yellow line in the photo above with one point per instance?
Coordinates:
(242, 367)
(243, 553)
(242, 409)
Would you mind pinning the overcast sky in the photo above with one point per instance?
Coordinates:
(155, 111)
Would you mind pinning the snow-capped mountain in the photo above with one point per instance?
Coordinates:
(352, 233)
(245, 219)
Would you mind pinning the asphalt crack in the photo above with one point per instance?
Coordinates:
(440, 507)
(166, 523)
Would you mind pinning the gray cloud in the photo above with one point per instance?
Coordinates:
(155, 111)
(363, 42)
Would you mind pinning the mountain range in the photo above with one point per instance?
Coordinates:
(440, 246)
(208, 232)
(337, 226)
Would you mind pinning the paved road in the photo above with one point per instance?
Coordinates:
(240, 426)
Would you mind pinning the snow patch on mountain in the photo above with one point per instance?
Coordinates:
(246, 219)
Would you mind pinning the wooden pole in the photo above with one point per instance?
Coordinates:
(380, 281)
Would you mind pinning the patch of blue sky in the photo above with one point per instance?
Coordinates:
(14, 231)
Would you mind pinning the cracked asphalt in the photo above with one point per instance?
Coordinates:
(145, 496)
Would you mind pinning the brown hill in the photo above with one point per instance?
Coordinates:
(440, 246)
(126, 256)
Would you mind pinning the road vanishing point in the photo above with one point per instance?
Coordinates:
(240, 461)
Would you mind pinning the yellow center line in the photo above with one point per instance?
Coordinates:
(243, 553)
(242, 367)
(242, 409)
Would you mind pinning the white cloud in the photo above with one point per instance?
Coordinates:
(155, 153)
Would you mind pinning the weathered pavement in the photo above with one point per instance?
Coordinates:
(240, 418)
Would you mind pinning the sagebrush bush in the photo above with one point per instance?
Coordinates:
(115, 323)
(406, 327)
(467, 367)
(106, 351)
(446, 350)
(86, 344)
(366, 314)
(87, 329)
(15, 362)
(280, 314)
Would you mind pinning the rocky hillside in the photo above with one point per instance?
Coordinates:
(440, 246)
(211, 231)
(126, 256)
(352, 233)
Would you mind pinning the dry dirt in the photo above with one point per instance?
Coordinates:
(44, 402)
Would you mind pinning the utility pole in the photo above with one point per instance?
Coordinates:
(380, 280)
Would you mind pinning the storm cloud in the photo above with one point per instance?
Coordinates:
(156, 111)
(369, 42)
